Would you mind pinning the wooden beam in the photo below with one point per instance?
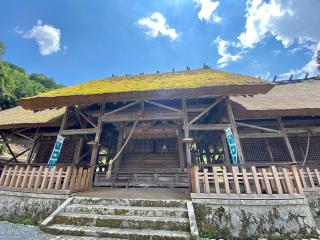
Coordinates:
(145, 117)
(121, 108)
(286, 139)
(163, 106)
(84, 116)
(79, 131)
(257, 127)
(234, 130)
(260, 135)
(218, 127)
(8, 146)
(206, 110)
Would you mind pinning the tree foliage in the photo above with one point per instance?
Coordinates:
(2, 49)
(16, 83)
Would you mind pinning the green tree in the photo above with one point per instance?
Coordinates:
(2, 49)
(16, 83)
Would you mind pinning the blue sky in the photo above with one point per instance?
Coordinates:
(76, 40)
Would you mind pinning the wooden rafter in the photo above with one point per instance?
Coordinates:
(8, 146)
(163, 106)
(206, 110)
(121, 108)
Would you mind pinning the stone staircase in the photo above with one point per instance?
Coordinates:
(123, 219)
(147, 170)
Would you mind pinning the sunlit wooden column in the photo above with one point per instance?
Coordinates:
(95, 146)
(186, 130)
(286, 139)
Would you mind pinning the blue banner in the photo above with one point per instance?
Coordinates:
(56, 152)
(232, 146)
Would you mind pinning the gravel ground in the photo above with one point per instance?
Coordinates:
(12, 231)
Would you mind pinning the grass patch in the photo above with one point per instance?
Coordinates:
(23, 220)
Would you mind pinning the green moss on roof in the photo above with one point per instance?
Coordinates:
(148, 82)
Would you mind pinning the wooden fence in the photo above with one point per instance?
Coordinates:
(246, 180)
(310, 178)
(40, 178)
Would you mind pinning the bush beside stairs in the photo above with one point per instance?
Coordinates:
(123, 219)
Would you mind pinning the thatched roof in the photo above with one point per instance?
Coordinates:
(289, 99)
(19, 117)
(191, 83)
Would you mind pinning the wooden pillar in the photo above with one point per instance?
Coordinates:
(286, 139)
(234, 130)
(95, 147)
(119, 145)
(77, 154)
(180, 147)
(34, 143)
(186, 130)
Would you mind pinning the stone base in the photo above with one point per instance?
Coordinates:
(15, 205)
(229, 217)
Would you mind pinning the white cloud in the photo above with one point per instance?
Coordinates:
(207, 10)
(310, 67)
(47, 37)
(288, 21)
(156, 25)
(226, 57)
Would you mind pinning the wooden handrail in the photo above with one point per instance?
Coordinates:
(284, 164)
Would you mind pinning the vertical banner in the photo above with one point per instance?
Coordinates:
(56, 151)
(232, 146)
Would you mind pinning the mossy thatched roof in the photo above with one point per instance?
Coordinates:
(289, 99)
(165, 85)
(19, 117)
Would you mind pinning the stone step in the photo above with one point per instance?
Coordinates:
(81, 238)
(130, 202)
(176, 170)
(128, 210)
(121, 233)
(121, 221)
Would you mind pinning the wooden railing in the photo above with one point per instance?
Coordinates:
(246, 180)
(310, 178)
(40, 178)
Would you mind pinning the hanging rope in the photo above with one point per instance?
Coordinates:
(125, 143)
(307, 150)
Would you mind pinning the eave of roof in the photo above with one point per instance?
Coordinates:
(195, 83)
(19, 117)
(300, 98)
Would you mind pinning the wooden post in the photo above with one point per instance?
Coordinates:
(206, 181)
(234, 130)
(195, 179)
(286, 139)
(34, 142)
(186, 130)
(95, 147)
(180, 147)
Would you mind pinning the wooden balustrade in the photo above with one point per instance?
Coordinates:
(310, 178)
(40, 178)
(246, 180)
